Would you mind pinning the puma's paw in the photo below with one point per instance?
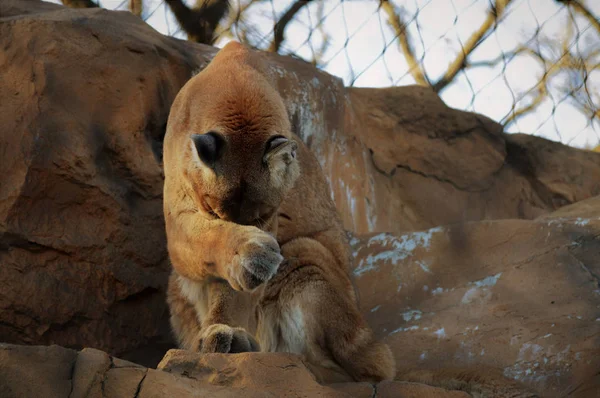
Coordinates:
(256, 261)
(220, 338)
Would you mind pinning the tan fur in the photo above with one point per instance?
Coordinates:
(230, 226)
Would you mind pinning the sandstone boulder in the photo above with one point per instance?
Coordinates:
(85, 96)
(422, 164)
(515, 295)
(59, 372)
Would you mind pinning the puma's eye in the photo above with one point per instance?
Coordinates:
(208, 209)
(212, 213)
(276, 141)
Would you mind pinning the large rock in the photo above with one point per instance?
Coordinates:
(421, 164)
(85, 97)
(54, 371)
(519, 296)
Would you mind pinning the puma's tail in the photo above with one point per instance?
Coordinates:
(364, 358)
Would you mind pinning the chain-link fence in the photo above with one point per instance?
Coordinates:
(532, 65)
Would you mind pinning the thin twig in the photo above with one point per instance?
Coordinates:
(279, 29)
(199, 22)
(541, 94)
(136, 7)
(471, 44)
(399, 26)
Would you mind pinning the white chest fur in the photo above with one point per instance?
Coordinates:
(282, 329)
(196, 293)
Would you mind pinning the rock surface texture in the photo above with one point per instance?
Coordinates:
(504, 273)
(522, 296)
(57, 372)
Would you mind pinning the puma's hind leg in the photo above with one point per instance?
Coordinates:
(202, 319)
(311, 304)
(185, 322)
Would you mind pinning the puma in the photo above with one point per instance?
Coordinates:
(260, 258)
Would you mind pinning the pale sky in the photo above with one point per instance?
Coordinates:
(372, 58)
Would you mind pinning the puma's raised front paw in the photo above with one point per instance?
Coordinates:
(256, 261)
(220, 338)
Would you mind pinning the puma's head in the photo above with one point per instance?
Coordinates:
(239, 153)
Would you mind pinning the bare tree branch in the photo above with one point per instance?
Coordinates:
(236, 17)
(565, 64)
(201, 21)
(79, 3)
(505, 58)
(568, 71)
(471, 44)
(575, 69)
(136, 7)
(317, 55)
(399, 26)
(583, 10)
(279, 29)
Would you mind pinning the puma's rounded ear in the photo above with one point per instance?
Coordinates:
(209, 147)
(280, 148)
